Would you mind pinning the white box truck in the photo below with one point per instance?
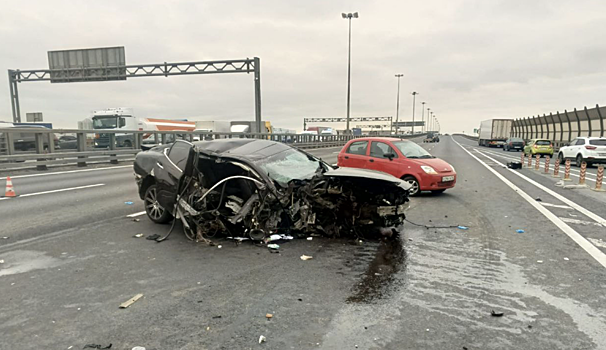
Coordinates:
(494, 132)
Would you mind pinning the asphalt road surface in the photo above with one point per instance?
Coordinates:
(70, 259)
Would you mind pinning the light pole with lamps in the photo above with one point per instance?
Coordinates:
(398, 102)
(428, 120)
(349, 16)
(414, 94)
(423, 116)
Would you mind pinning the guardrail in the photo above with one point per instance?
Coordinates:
(474, 138)
(26, 148)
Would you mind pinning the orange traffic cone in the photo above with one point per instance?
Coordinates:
(10, 192)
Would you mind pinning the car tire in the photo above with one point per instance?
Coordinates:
(155, 212)
(436, 192)
(579, 160)
(415, 189)
(561, 158)
(127, 144)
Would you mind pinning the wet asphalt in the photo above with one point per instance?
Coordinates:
(71, 260)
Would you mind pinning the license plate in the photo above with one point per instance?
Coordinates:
(447, 178)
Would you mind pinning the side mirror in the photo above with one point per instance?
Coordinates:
(389, 156)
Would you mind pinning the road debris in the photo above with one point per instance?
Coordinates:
(273, 246)
(2, 261)
(463, 227)
(496, 314)
(219, 246)
(130, 301)
(97, 346)
(128, 203)
(138, 235)
(153, 237)
(520, 231)
(268, 316)
(262, 339)
(514, 165)
(5, 237)
(566, 259)
(310, 238)
(538, 199)
(218, 316)
(136, 220)
(278, 238)
(306, 257)
(138, 348)
(540, 261)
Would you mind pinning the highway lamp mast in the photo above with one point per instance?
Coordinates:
(423, 116)
(428, 120)
(349, 16)
(414, 94)
(398, 102)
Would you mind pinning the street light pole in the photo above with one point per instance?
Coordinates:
(414, 94)
(398, 102)
(349, 16)
(428, 120)
(423, 116)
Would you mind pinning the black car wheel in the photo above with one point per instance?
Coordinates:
(579, 160)
(415, 189)
(561, 158)
(154, 210)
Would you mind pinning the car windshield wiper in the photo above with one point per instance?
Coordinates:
(427, 156)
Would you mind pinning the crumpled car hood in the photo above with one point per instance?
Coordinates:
(367, 174)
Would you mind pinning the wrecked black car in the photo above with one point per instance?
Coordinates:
(254, 188)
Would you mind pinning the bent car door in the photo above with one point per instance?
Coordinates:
(168, 171)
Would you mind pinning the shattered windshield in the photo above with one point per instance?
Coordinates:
(412, 150)
(105, 123)
(290, 165)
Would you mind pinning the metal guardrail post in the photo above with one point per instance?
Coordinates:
(164, 137)
(39, 138)
(10, 143)
(138, 137)
(51, 142)
(81, 143)
(112, 146)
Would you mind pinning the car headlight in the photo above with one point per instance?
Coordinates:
(429, 170)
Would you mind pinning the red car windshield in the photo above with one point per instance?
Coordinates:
(412, 150)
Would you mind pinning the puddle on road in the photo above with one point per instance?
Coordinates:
(20, 261)
(382, 273)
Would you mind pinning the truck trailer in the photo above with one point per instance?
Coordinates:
(494, 132)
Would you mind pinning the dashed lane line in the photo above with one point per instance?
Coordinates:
(579, 222)
(556, 206)
(135, 214)
(55, 191)
(574, 235)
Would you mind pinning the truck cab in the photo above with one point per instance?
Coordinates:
(112, 119)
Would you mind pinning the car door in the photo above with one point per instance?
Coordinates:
(356, 155)
(168, 170)
(378, 161)
(572, 150)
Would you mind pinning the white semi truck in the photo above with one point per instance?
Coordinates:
(494, 132)
(123, 118)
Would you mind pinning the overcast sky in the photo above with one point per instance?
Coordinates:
(469, 59)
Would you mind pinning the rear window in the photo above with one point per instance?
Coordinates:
(601, 142)
(358, 147)
(543, 142)
(516, 139)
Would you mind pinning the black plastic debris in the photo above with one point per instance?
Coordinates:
(218, 316)
(153, 237)
(496, 314)
(514, 165)
(538, 199)
(97, 346)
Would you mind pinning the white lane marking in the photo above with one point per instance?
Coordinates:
(60, 190)
(67, 172)
(579, 222)
(555, 206)
(574, 235)
(135, 214)
(581, 209)
(3, 198)
(598, 242)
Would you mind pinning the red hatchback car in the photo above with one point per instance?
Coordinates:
(400, 158)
